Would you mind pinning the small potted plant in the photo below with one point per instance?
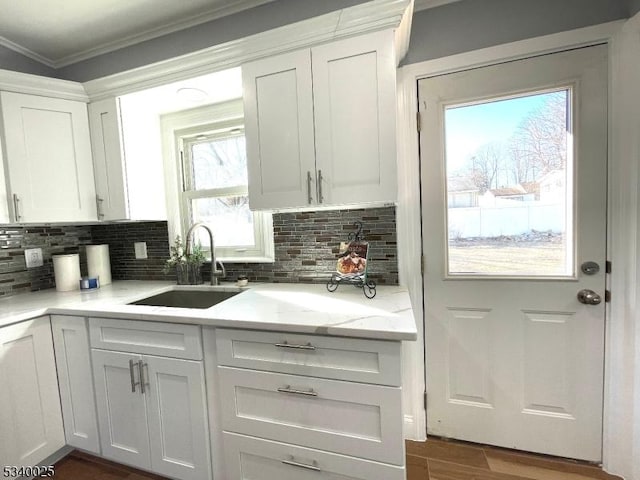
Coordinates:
(188, 268)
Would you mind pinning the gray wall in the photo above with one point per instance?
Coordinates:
(446, 30)
(10, 60)
(242, 24)
(472, 24)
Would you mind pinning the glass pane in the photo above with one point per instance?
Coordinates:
(510, 186)
(219, 163)
(228, 217)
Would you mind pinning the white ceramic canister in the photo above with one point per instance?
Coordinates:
(66, 269)
(98, 263)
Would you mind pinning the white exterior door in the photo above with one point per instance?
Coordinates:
(513, 162)
(30, 416)
(122, 414)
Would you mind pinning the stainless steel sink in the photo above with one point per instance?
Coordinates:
(200, 298)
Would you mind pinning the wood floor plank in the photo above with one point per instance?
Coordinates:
(87, 467)
(439, 470)
(431, 460)
(540, 467)
(417, 468)
(449, 452)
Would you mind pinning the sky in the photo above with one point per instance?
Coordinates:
(469, 127)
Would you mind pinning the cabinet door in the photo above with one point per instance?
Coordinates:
(4, 200)
(71, 343)
(354, 93)
(48, 154)
(108, 159)
(278, 109)
(176, 405)
(30, 416)
(122, 415)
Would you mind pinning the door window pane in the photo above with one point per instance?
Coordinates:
(509, 182)
(228, 217)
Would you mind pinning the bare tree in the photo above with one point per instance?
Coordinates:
(539, 145)
(485, 166)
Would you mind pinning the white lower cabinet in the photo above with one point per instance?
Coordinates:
(297, 406)
(249, 458)
(75, 378)
(30, 416)
(152, 412)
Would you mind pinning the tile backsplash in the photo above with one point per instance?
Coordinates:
(121, 236)
(14, 276)
(306, 248)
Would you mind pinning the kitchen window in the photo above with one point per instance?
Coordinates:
(211, 171)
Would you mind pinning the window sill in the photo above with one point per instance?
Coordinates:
(245, 259)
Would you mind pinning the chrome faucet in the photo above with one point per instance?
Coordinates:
(215, 273)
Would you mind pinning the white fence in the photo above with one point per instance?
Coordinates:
(472, 222)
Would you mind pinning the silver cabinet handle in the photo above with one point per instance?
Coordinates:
(141, 373)
(307, 393)
(132, 375)
(293, 463)
(320, 196)
(309, 197)
(16, 209)
(284, 344)
(99, 202)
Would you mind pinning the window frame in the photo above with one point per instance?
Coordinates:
(179, 130)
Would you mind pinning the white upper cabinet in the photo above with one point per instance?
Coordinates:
(278, 109)
(125, 140)
(354, 97)
(47, 154)
(108, 160)
(321, 124)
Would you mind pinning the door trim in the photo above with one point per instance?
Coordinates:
(408, 213)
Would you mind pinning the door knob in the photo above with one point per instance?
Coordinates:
(589, 297)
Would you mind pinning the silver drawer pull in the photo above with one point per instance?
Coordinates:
(308, 346)
(293, 463)
(288, 389)
(141, 367)
(132, 375)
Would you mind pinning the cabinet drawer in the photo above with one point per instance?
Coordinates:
(350, 418)
(248, 458)
(153, 338)
(367, 361)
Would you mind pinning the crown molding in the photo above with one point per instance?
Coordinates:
(18, 82)
(219, 12)
(426, 4)
(363, 18)
(5, 42)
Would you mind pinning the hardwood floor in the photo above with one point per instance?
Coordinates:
(432, 460)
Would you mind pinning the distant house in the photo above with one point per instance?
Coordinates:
(461, 192)
(522, 192)
(553, 186)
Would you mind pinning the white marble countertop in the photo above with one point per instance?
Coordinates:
(302, 308)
